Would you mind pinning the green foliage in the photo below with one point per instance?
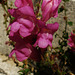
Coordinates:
(70, 23)
(60, 10)
(24, 72)
(66, 0)
(65, 35)
(55, 35)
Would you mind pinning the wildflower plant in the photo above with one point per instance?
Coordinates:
(31, 37)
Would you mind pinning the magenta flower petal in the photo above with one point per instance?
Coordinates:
(23, 26)
(59, 1)
(13, 12)
(47, 36)
(43, 40)
(55, 8)
(26, 28)
(53, 27)
(22, 50)
(20, 56)
(23, 29)
(41, 24)
(49, 9)
(11, 33)
(26, 10)
(50, 43)
(24, 34)
(23, 54)
(56, 14)
(18, 3)
(44, 3)
(12, 52)
(15, 26)
(72, 40)
(27, 23)
(42, 43)
(71, 44)
(21, 3)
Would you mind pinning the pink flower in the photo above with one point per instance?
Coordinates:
(26, 30)
(24, 51)
(49, 28)
(21, 50)
(43, 40)
(21, 3)
(50, 9)
(24, 20)
(23, 12)
(53, 27)
(72, 41)
(23, 26)
(45, 36)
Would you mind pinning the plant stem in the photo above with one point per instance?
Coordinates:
(65, 17)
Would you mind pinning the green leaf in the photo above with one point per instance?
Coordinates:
(25, 71)
(64, 43)
(70, 23)
(21, 71)
(65, 0)
(59, 42)
(60, 10)
(55, 35)
(65, 35)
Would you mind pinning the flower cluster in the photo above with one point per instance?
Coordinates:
(72, 42)
(28, 32)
